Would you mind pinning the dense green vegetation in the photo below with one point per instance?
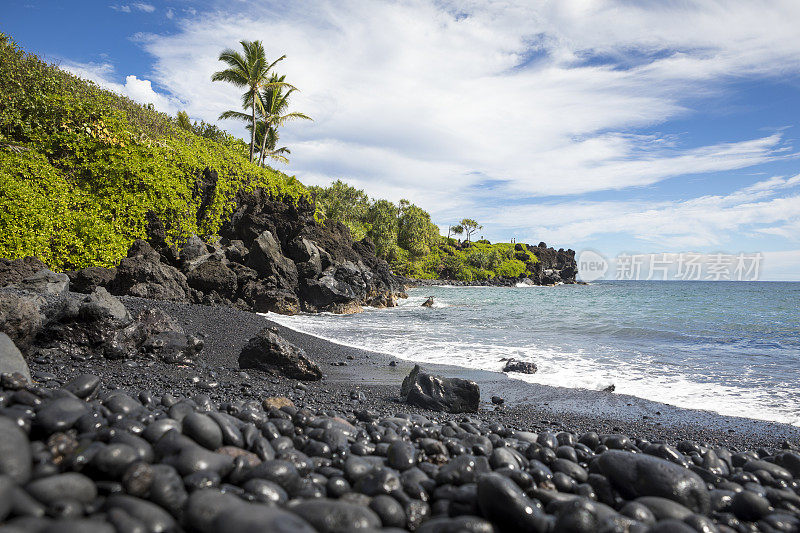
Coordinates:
(405, 236)
(81, 167)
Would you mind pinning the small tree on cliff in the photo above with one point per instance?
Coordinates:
(455, 230)
(470, 226)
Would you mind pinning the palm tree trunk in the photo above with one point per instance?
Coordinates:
(264, 144)
(253, 134)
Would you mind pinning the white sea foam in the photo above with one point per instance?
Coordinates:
(455, 332)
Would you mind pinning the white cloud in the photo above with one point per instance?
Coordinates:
(706, 222)
(134, 88)
(147, 8)
(121, 8)
(415, 81)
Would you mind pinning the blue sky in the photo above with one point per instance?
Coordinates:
(616, 126)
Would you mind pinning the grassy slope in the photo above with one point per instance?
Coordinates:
(81, 167)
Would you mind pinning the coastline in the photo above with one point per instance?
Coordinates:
(528, 406)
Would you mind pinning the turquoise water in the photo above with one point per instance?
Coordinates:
(733, 348)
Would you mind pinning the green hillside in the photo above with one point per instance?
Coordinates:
(81, 168)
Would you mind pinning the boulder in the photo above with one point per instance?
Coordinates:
(143, 274)
(636, 475)
(266, 258)
(12, 271)
(88, 279)
(453, 395)
(428, 302)
(194, 248)
(11, 359)
(338, 284)
(160, 335)
(523, 367)
(20, 318)
(236, 251)
(262, 299)
(45, 282)
(213, 276)
(269, 352)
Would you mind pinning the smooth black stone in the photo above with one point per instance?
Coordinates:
(330, 516)
(60, 414)
(389, 511)
(749, 506)
(266, 491)
(143, 449)
(123, 522)
(671, 526)
(66, 509)
(281, 472)
(258, 518)
(70, 484)
(504, 504)
(23, 504)
(663, 508)
(635, 475)
(155, 519)
(167, 489)
(7, 488)
(157, 429)
(114, 459)
(203, 430)
(202, 480)
(122, 403)
(80, 526)
(231, 435)
(83, 386)
(402, 455)
(378, 481)
(205, 505)
(194, 459)
(461, 524)
(639, 512)
(15, 452)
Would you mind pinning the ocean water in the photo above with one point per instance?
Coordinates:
(728, 347)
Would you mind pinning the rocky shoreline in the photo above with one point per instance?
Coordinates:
(161, 436)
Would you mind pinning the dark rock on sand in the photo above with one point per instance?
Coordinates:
(15, 453)
(269, 352)
(523, 367)
(453, 395)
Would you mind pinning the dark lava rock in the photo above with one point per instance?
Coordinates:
(635, 475)
(45, 282)
(523, 367)
(19, 318)
(86, 280)
(334, 516)
(428, 302)
(11, 359)
(143, 274)
(14, 271)
(154, 517)
(750, 506)
(453, 395)
(269, 352)
(213, 276)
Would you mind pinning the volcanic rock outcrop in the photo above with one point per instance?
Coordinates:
(272, 256)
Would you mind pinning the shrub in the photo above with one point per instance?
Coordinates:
(81, 168)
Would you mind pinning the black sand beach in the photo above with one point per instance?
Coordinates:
(529, 407)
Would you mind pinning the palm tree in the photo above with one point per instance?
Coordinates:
(273, 102)
(251, 71)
